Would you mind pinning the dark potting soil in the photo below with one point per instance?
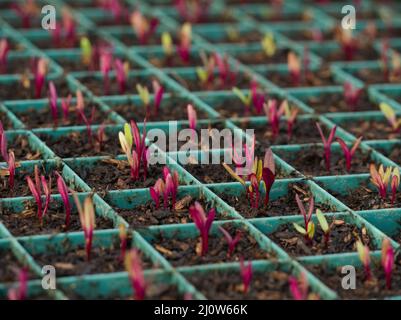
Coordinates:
(335, 102)
(322, 77)
(132, 40)
(154, 291)
(170, 109)
(271, 16)
(68, 44)
(16, 91)
(361, 54)
(16, 66)
(228, 285)
(367, 198)
(175, 61)
(364, 289)
(96, 85)
(224, 17)
(283, 206)
(308, 35)
(22, 149)
(260, 57)
(310, 162)
(113, 174)
(76, 144)
(234, 108)
(304, 131)
(27, 223)
(186, 252)
(72, 261)
(10, 267)
(243, 38)
(44, 119)
(372, 76)
(147, 214)
(395, 154)
(6, 122)
(370, 130)
(343, 237)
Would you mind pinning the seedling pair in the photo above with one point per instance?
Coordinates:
(183, 48)
(158, 92)
(382, 179)
(167, 188)
(254, 98)
(274, 113)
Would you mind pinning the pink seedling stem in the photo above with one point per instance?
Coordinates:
(351, 95)
(123, 241)
(299, 287)
(11, 168)
(121, 75)
(87, 218)
(106, 60)
(63, 190)
(80, 108)
(26, 11)
(39, 75)
(4, 49)
(100, 137)
(327, 144)
(167, 188)
(3, 143)
(21, 292)
(36, 189)
(192, 119)
(158, 92)
(348, 44)
(133, 265)
(258, 99)
(349, 153)
(274, 114)
(69, 26)
(203, 223)
(232, 242)
(65, 106)
(309, 227)
(143, 27)
(395, 182)
(387, 261)
(364, 256)
(268, 174)
(294, 67)
(53, 102)
(184, 47)
(246, 274)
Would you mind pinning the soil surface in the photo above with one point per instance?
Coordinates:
(44, 119)
(335, 102)
(10, 267)
(132, 40)
(7, 124)
(77, 144)
(372, 76)
(367, 198)
(395, 154)
(223, 17)
(184, 252)
(27, 223)
(282, 206)
(259, 57)
(370, 130)
(310, 162)
(228, 285)
(319, 78)
(365, 289)
(115, 175)
(22, 149)
(170, 109)
(72, 261)
(309, 35)
(343, 237)
(243, 38)
(175, 61)
(361, 54)
(242, 81)
(147, 215)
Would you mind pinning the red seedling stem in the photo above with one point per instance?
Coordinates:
(232, 242)
(349, 153)
(307, 216)
(11, 168)
(327, 144)
(387, 261)
(20, 293)
(351, 95)
(246, 274)
(63, 190)
(133, 265)
(53, 102)
(203, 223)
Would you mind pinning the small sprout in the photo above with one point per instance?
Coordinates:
(226, 75)
(65, 106)
(184, 47)
(203, 223)
(348, 153)
(364, 256)
(258, 98)
(86, 51)
(123, 240)
(206, 73)
(387, 261)
(352, 95)
(246, 274)
(299, 287)
(144, 96)
(269, 45)
(395, 67)
(21, 292)
(232, 242)
(144, 28)
(274, 114)
(40, 72)
(167, 44)
(193, 11)
(192, 117)
(106, 61)
(26, 10)
(324, 225)
(391, 117)
(11, 168)
(245, 99)
(133, 265)
(327, 144)
(309, 227)
(158, 92)
(80, 108)
(348, 44)
(294, 67)
(3, 143)
(69, 26)
(53, 102)
(134, 148)
(122, 71)
(36, 189)
(100, 137)
(4, 49)
(166, 187)
(87, 218)
(291, 116)
(381, 180)
(63, 190)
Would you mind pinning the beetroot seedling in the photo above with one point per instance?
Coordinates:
(167, 188)
(63, 190)
(20, 292)
(327, 144)
(308, 230)
(232, 242)
(352, 95)
(391, 117)
(144, 28)
(364, 256)
(382, 178)
(246, 275)
(348, 153)
(387, 261)
(133, 265)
